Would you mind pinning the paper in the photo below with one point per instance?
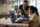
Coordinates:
(18, 19)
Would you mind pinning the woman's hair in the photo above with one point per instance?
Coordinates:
(34, 10)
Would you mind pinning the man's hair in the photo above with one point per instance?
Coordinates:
(25, 1)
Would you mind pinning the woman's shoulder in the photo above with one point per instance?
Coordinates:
(35, 15)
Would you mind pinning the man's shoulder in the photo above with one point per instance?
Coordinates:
(20, 5)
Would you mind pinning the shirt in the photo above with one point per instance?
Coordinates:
(22, 11)
(35, 20)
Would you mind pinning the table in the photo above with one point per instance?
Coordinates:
(3, 21)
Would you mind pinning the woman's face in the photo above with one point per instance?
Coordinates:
(30, 11)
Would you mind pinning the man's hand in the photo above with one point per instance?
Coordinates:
(16, 16)
(23, 7)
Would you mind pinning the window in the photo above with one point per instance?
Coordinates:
(32, 2)
(38, 5)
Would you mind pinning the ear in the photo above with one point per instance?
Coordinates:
(35, 11)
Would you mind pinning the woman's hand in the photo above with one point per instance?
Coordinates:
(20, 20)
(26, 19)
(26, 22)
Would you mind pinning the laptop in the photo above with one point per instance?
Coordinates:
(13, 18)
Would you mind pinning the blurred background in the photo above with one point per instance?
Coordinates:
(7, 6)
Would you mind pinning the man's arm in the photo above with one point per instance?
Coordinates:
(26, 12)
(17, 13)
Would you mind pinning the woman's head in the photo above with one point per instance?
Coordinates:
(36, 10)
(33, 10)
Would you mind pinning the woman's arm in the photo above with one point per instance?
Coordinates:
(33, 18)
(28, 21)
(25, 19)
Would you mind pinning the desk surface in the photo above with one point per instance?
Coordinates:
(3, 21)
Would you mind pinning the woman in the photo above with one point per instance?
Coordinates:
(36, 11)
(34, 18)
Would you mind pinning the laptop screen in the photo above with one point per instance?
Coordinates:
(12, 15)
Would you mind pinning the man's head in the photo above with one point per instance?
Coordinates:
(25, 3)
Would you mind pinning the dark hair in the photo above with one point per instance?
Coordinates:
(25, 1)
(34, 10)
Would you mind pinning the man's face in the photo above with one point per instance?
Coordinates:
(24, 4)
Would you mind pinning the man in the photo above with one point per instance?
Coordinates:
(24, 10)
